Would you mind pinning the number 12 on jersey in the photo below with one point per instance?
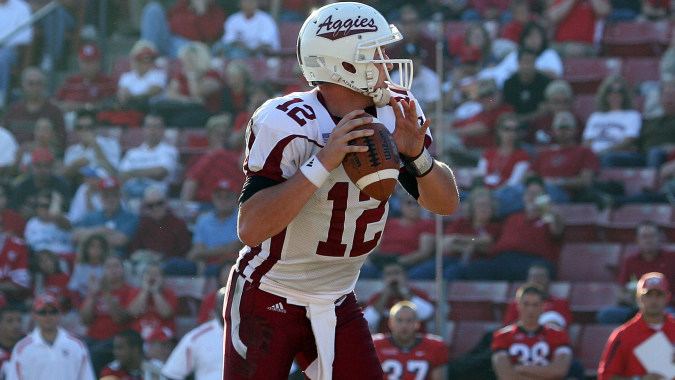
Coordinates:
(333, 245)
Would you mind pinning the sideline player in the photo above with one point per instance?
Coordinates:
(527, 349)
(306, 226)
(407, 355)
(618, 359)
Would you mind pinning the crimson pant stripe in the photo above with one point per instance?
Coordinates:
(276, 245)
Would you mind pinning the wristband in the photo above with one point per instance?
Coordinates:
(314, 171)
(420, 165)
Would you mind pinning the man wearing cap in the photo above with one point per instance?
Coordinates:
(39, 179)
(215, 238)
(201, 350)
(49, 352)
(527, 348)
(620, 359)
(90, 88)
(112, 221)
(567, 167)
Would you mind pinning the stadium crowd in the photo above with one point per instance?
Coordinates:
(120, 176)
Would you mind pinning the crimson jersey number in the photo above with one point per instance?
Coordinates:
(297, 113)
(333, 245)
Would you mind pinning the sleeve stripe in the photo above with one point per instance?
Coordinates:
(272, 167)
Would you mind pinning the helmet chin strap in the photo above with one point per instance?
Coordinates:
(380, 96)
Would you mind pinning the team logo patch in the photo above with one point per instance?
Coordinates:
(334, 30)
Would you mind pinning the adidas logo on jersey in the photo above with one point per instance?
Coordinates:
(277, 307)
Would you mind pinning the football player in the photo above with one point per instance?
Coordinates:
(527, 349)
(307, 228)
(407, 355)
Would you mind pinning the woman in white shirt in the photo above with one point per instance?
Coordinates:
(144, 81)
(611, 131)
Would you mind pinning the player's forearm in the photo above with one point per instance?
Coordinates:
(438, 190)
(269, 211)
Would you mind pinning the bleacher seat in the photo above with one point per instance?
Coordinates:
(586, 74)
(636, 39)
(467, 334)
(476, 300)
(583, 107)
(638, 70)
(589, 297)
(589, 261)
(591, 344)
(581, 221)
(634, 180)
(620, 226)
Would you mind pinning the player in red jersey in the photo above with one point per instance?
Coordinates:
(307, 227)
(404, 353)
(528, 350)
(619, 361)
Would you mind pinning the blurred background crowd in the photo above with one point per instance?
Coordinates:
(122, 134)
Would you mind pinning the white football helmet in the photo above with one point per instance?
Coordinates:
(341, 43)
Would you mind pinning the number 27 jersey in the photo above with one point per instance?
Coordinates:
(321, 251)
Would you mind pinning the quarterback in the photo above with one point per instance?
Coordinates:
(307, 228)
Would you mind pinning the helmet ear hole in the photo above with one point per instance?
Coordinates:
(349, 67)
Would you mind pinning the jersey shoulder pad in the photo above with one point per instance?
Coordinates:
(379, 337)
(433, 338)
(505, 330)
(289, 114)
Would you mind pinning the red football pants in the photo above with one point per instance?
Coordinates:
(271, 333)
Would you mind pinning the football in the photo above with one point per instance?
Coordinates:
(375, 171)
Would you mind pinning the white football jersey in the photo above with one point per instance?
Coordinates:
(322, 250)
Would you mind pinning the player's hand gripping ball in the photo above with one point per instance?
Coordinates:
(375, 171)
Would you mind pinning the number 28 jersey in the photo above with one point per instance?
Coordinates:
(531, 348)
(321, 251)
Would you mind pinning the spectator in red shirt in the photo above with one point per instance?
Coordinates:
(478, 131)
(128, 354)
(619, 360)
(159, 230)
(505, 164)
(528, 237)
(558, 97)
(407, 239)
(221, 161)
(187, 20)
(22, 115)
(520, 11)
(575, 22)
(12, 222)
(194, 93)
(90, 88)
(528, 349)
(567, 167)
(540, 276)
(52, 276)
(153, 304)
(649, 256)
(104, 311)
(468, 237)
(14, 276)
(395, 288)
